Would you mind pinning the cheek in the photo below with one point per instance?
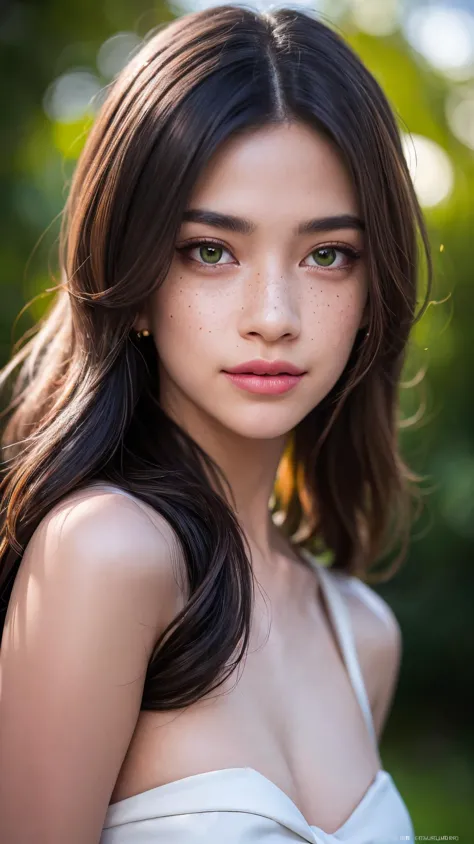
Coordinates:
(335, 312)
(187, 322)
(332, 320)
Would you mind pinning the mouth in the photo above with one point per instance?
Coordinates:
(259, 374)
(264, 383)
(266, 368)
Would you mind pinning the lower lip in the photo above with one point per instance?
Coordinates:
(269, 385)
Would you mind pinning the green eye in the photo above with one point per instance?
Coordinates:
(214, 253)
(326, 255)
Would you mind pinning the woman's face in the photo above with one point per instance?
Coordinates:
(261, 290)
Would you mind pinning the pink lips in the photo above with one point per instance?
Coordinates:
(265, 377)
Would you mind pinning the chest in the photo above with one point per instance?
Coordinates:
(288, 711)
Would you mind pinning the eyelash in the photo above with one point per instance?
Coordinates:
(348, 251)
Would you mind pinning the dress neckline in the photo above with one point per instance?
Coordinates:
(360, 805)
(262, 796)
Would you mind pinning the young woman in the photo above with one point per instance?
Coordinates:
(209, 406)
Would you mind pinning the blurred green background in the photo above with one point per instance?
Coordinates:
(57, 60)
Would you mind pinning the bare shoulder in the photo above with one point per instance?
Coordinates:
(95, 534)
(378, 642)
(95, 588)
(115, 526)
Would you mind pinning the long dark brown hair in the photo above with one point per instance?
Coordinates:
(85, 401)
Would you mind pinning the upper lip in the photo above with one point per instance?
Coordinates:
(267, 367)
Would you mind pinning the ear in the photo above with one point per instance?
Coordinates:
(141, 321)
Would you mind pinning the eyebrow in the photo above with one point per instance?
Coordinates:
(240, 225)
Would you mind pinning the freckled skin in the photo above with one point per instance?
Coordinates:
(267, 294)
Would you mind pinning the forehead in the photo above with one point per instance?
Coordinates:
(273, 168)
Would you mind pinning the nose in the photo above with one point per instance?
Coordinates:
(269, 308)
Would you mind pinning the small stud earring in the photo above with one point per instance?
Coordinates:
(143, 333)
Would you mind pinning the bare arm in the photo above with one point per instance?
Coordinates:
(94, 591)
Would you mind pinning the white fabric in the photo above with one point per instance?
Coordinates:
(242, 806)
(342, 625)
(238, 805)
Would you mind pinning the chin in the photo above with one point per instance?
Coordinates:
(268, 424)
